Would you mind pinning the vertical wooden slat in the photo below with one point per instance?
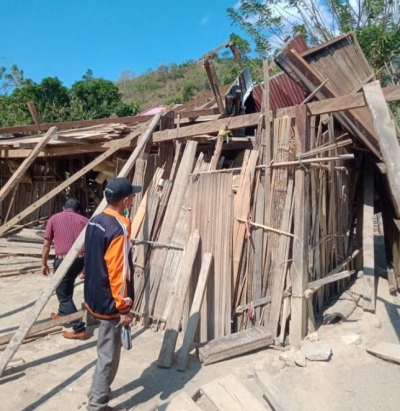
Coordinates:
(298, 321)
(369, 299)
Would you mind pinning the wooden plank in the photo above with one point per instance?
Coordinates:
(65, 184)
(217, 153)
(369, 297)
(175, 202)
(54, 281)
(212, 78)
(386, 351)
(330, 279)
(273, 396)
(166, 356)
(281, 268)
(242, 209)
(298, 320)
(34, 114)
(258, 240)
(142, 209)
(195, 312)
(17, 175)
(76, 124)
(385, 129)
(229, 394)
(47, 325)
(313, 109)
(214, 220)
(235, 344)
(182, 402)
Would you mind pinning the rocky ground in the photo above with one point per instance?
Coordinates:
(57, 373)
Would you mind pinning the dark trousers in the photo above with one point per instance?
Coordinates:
(65, 291)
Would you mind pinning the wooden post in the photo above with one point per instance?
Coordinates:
(54, 281)
(368, 238)
(179, 293)
(298, 321)
(195, 311)
(34, 114)
(16, 177)
(5, 227)
(217, 153)
(385, 129)
(212, 78)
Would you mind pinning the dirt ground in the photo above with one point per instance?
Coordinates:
(57, 373)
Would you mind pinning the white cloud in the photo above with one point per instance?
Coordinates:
(204, 21)
(237, 4)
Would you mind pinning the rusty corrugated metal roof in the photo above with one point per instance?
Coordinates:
(283, 92)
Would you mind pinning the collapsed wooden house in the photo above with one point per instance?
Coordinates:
(254, 213)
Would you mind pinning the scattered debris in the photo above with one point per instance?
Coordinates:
(342, 309)
(386, 351)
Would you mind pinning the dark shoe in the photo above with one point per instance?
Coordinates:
(54, 316)
(71, 335)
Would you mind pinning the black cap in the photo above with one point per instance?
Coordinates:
(120, 188)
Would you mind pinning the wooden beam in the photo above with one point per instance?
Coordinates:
(34, 114)
(313, 285)
(217, 153)
(385, 129)
(298, 320)
(213, 79)
(76, 124)
(166, 357)
(369, 300)
(54, 281)
(47, 325)
(16, 177)
(66, 139)
(317, 108)
(235, 344)
(195, 311)
(236, 55)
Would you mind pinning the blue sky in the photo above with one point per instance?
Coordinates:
(64, 38)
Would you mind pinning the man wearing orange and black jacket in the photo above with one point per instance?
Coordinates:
(109, 284)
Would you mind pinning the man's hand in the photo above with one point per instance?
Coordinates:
(45, 270)
(126, 319)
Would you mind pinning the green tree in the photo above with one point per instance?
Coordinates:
(269, 24)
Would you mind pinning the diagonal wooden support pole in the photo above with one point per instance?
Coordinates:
(41, 302)
(16, 177)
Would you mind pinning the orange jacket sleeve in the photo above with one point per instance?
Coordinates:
(117, 272)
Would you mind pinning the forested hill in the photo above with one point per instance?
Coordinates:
(177, 83)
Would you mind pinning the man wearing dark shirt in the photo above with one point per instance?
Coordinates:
(64, 228)
(109, 284)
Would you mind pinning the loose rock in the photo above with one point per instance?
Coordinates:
(288, 358)
(317, 351)
(300, 358)
(352, 339)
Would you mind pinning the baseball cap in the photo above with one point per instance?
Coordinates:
(120, 188)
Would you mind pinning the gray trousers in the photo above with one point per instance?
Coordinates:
(108, 355)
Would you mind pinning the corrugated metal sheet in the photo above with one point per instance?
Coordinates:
(283, 92)
(342, 62)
